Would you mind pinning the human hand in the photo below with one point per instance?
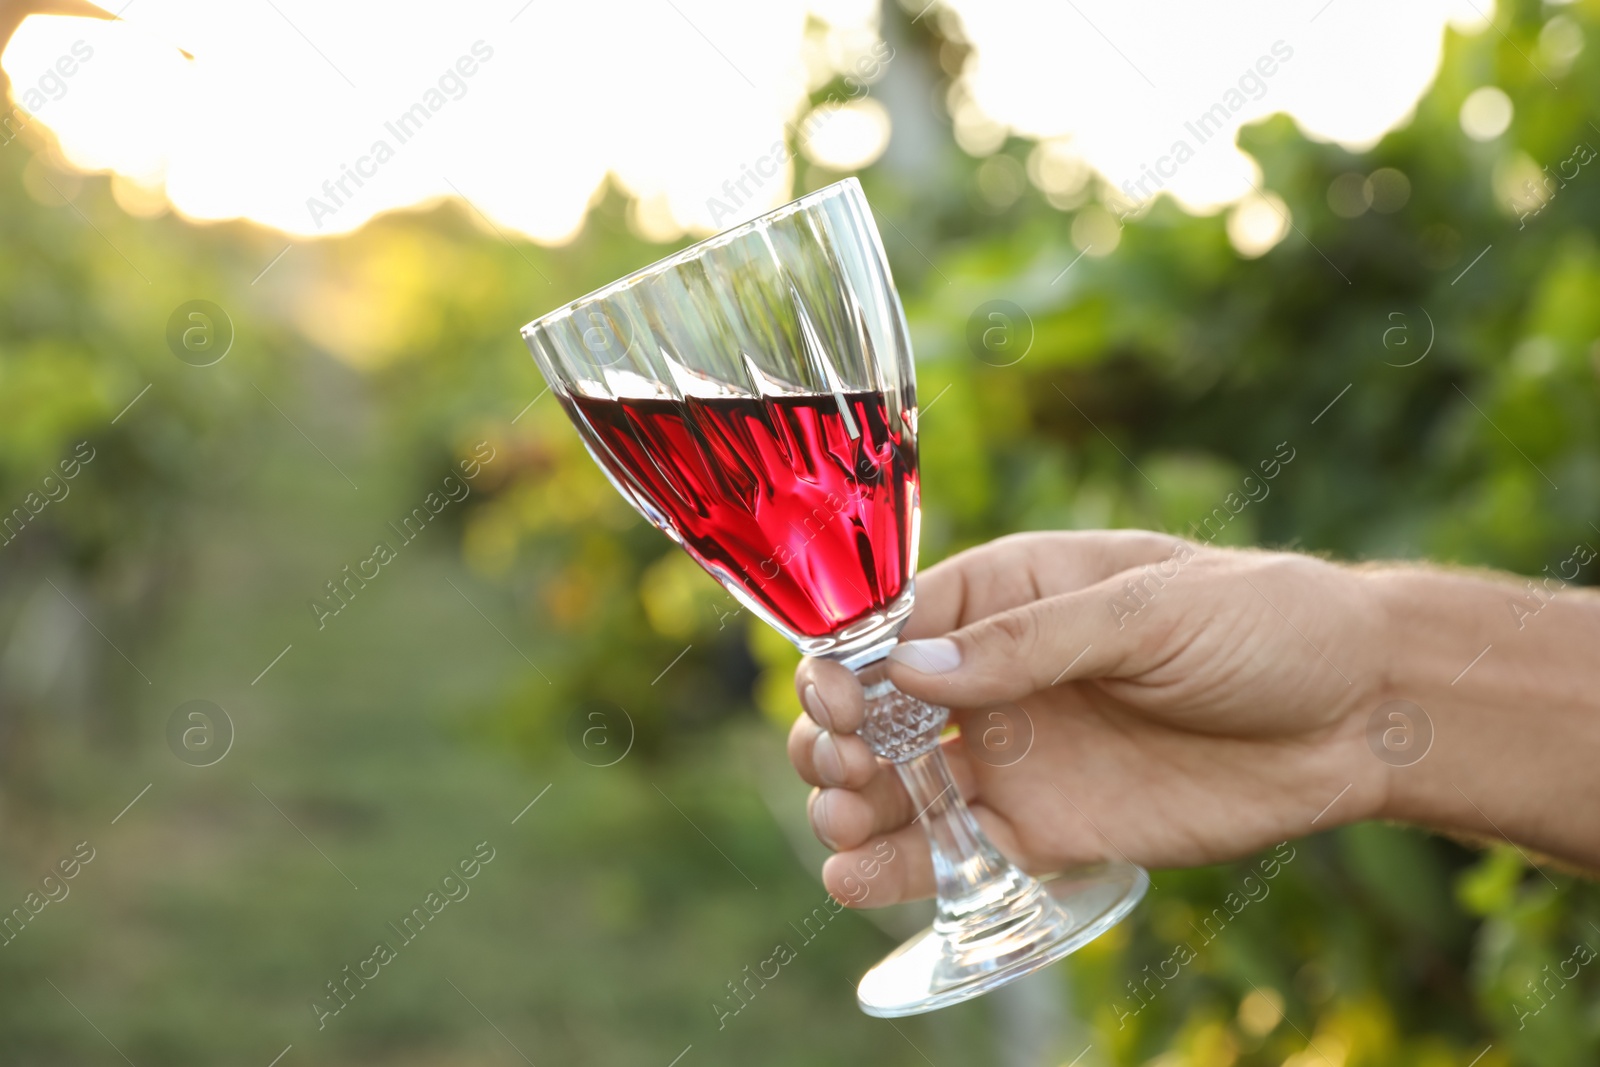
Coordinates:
(1213, 706)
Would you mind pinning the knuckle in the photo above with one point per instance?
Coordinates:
(856, 758)
(804, 674)
(992, 557)
(1014, 632)
(1151, 543)
(1014, 541)
(1168, 544)
(800, 733)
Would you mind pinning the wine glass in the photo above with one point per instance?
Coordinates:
(753, 397)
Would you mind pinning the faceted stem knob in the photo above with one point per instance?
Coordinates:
(898, 727)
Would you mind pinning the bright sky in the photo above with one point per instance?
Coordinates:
(522, 108)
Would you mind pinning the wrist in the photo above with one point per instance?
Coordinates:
(1487, 714)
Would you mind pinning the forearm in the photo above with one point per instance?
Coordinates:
(1509, 676)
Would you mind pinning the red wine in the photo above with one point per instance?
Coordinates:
(806, 503)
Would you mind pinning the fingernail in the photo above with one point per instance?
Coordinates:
(819, 815)
(933, 656)
(815, 707)
(825, 757)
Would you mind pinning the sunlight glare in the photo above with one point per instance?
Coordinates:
(1130, 87)
(300, 120)
(315, 118)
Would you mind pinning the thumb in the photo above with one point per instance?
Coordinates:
(1009, 655)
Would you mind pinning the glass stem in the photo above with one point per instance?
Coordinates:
(971, 875)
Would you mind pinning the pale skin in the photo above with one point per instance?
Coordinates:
(1223, 709)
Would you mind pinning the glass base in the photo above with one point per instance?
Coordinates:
(1033, 927)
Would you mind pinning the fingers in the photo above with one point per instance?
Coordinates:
(843, 818)
(887, 870)
(830, 694)
(1022, 568)
(826, 759)
(1006, 656)
(995, 578)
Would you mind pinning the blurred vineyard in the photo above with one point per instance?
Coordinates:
(1431, 358)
